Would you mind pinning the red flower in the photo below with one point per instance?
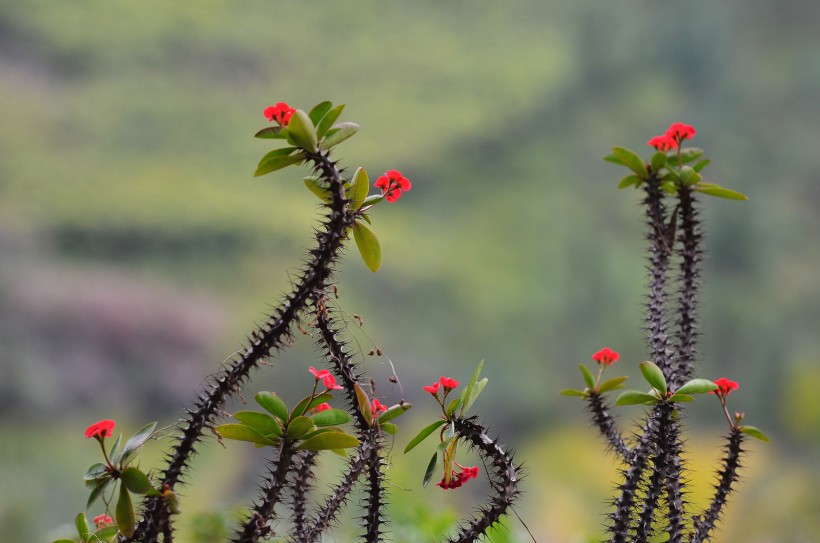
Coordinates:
(680, 132)
(101, 521)
(326, 377)
(448, 383)
(392, 183)
(458, 479)
(103, 428)
(281, 113)
(321, 407)
(433, 389)
(725, 387)
(662, 143)
(377, 407)
(606, 356)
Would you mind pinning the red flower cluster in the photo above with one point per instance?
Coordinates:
(377, 407)
(675, 134)
(100, 429)
(392, 183)
(281, 113)
(433, 389)
(321, 407)
(101, 521)
(725, 387)
(448, 383)
(458, 479)
(606, 356)
(326, 377)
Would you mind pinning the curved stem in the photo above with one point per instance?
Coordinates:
(269, 337)
(258, 524)
(705, 522)
(504, 478)
(606, 425)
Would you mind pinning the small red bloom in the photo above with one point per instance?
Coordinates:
(281, 113)
(458, 479)
(662, 143)
(377, 407)
(448, 383)
(101, 521)
(321, 407)
(326, 377)
(606, 356)
(392, 183)
(725, 387)
(433, 389)
(680, 132)
(103, 428)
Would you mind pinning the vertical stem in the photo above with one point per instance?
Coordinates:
(691, 257)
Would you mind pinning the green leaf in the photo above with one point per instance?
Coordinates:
(261, 422)
(669, 187)
(64, 541)
(754, 432)
(107, 533)
(633, 397)
(364, 403)
(114, 453)
(319, 187)
(654, 376)
(629, 181)
(339, 133)
(697, 386)
(137, 440)
(611, 157)
(301, 131)
(611, 384)
(137, 482)
(272, 133)
(97, 491)
(720, 192)
(124, 513)
(699, 165)
(588, 378)
(631, 160)
(331, 417)
(573, 392)
(96, 472)
(360, 186)
(394, 411)
(431, 469)
(240, 432)
(689, 176)
(83, 528)
(687, 154)
(389, 427)
(273, 404)
(424, 434)
(307, 403)
(318, 431)
(369, 246)
(464, 397)
(299, 427)
(319, 111)
(658, 161)
(329, 441)
(328, 120)
(453, 406)
(270, 164)
(678, 397)
(477, 390)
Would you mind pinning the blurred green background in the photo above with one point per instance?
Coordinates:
(136, 250)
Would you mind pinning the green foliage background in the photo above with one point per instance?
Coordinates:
(135, 248)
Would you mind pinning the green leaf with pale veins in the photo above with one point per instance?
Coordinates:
(328, 120)
(573, 392)
(634, 397)
(431, 469)
(319, 111)
(369, 246)
(137, 482)
(697, 386)
(588, 378)
(261, 422)
(754, 432)
(611, 384)
(137, 440)
(329, 441)
(654, 376)
(240, 432)
(631, 160)
(124, 513)
(331, 417)
(273, 404)
(83, 528)
(360, 186)
(301, 131)
(719, 192)
(339, 133)
(424, 434)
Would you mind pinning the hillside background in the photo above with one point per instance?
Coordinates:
(136, 250)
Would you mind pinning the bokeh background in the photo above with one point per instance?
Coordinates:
(136, 250)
